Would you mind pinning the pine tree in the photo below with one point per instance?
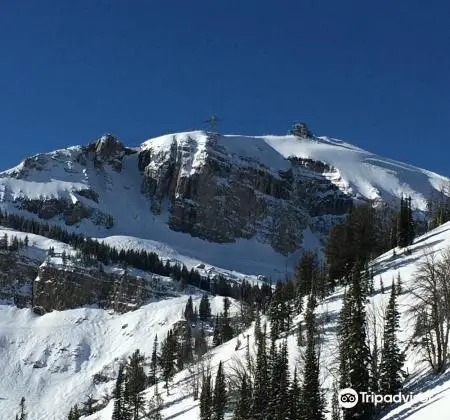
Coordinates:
(217, 335)
(242, 410)
(204, 309)
(200, 344)
(399, 290)
(206, 399)
(312, 403)
(405, 225)
(22, 410)
(168, 357)
(135, 383)
(261, 386)
(189, 310)
(153, 363)
(74, 413)
(186, 347)
(392, 359)
(304, 274)
(279, 383)
(118, 395)
(295, 398)
(220, 394)
(355, 359)
(226, 329)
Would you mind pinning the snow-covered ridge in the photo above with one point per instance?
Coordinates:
(361, 173)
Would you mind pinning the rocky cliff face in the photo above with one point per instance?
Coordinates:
(16, 278)
(58, 288)
(225, 197)
(47, 286)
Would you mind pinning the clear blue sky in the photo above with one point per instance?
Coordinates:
(374, 73)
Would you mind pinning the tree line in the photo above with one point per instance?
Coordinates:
(92, 251)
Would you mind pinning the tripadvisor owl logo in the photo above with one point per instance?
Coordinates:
(348, 398)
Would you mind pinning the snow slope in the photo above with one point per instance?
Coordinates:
(433, 393)
(53, 358)
(358, 172)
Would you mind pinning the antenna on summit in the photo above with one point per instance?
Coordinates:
(213, 120)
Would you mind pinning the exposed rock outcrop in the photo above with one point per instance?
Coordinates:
(16, 277)
(65, 287)
(71, 212)
(108, 150)
(228, 197)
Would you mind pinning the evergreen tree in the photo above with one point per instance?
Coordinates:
(399, 290)
(295, 398)
(186, 347)
(226, 329)
(135, 383)
(279, 311)
(206, 399)
(153, 363)
(168, 358)
(405, 225)
(303, 276)
(22, 410)
(189, 310)
(217, 334)
(4, 242)
(355, 359)
(242, 410)
(411, 226)
(261, 386)
(220, 395)
(392, 359)
(118, 395)
(204, 309)
(200, 344)
(74, 413)
(312, 403)
(279, 383)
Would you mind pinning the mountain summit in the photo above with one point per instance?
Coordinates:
(267, 195)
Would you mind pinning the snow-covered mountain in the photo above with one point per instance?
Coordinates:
(232, 205)
(237, 203)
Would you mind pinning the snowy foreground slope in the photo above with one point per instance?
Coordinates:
(434, 391)
(56, 355)
(51, 359)
(68, 173)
